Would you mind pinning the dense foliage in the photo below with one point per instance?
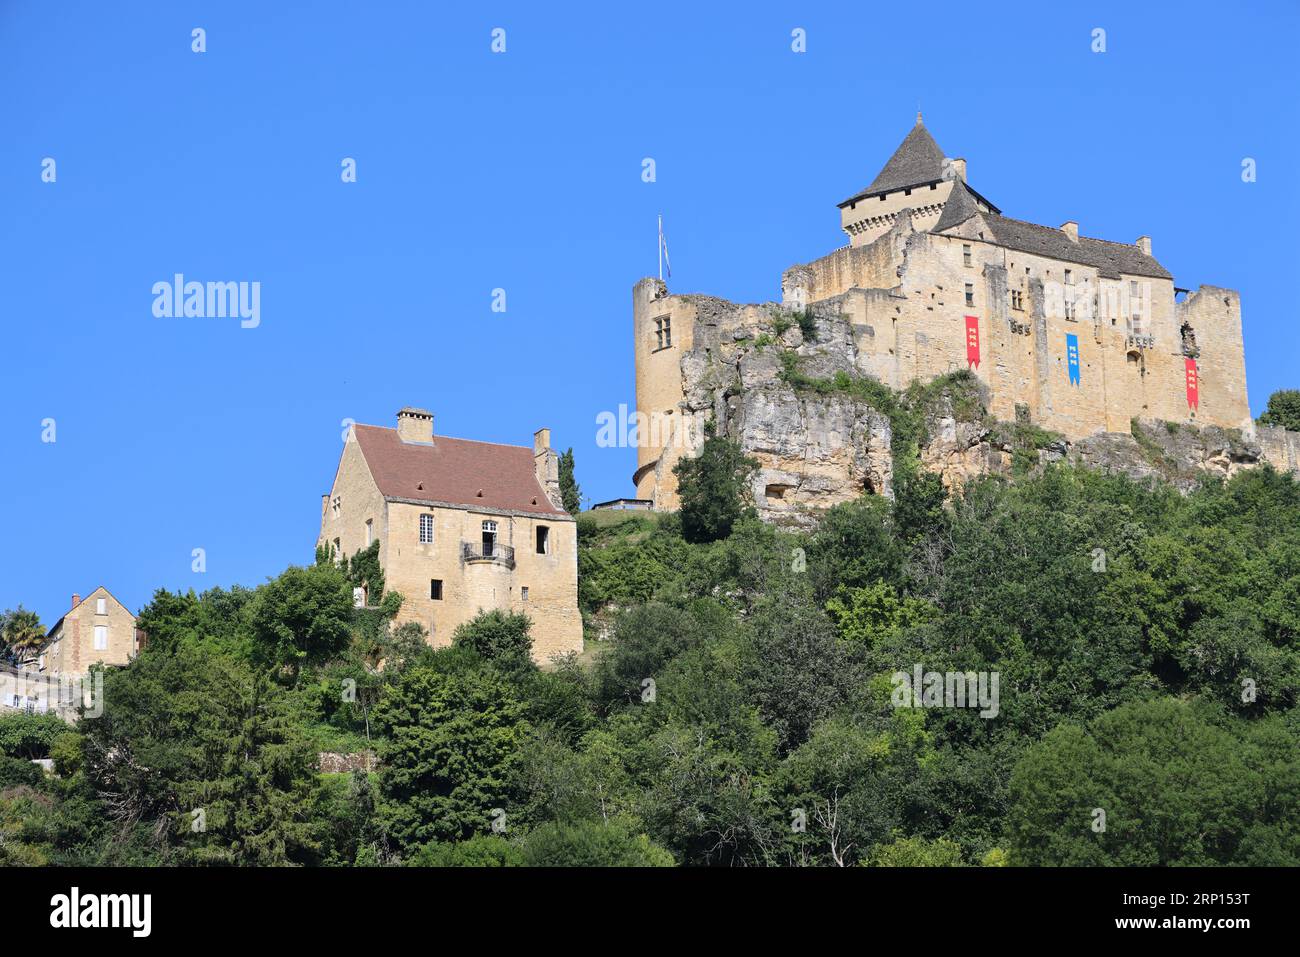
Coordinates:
(711, 486)
(1283, 409)
(743, 708)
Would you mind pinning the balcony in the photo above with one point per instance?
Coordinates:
(483, 552)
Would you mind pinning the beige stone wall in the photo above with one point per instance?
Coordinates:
(659, 380)
(468, 587)
(358, 501)
(72, 648)
(1280, 448)
(1214, 315)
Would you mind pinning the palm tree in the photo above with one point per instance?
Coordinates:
(22, 632)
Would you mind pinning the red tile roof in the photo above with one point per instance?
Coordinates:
(454, 471)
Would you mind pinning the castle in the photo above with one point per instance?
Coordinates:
(463, 526)
(1080, 336)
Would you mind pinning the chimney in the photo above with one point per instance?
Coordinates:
(959, 164)
(76, 600)
(415, 425)
(1071, 229)
(1144, 244)
(954, 169)
(546, 464)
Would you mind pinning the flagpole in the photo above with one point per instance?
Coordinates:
(661, 247)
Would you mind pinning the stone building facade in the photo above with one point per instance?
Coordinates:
(1080, 335)
(97, 629)
(463, 526)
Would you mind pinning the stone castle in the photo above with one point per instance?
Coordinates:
(1079, 336)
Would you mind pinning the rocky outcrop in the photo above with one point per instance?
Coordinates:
(1179, 454)
(960, 447)
(813, 450)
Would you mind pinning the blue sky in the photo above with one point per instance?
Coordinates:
(522, 171)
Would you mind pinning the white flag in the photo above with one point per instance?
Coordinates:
(663, 250)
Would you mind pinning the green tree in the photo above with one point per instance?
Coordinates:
(481, 850)
(853, 546)
(866, 615)
(570, 492)
(452, 739)
(29, 736)
(712, 488)
(1283, 409)
(499, 637)
(349, 808)
(795, 669)
(1177, 783)
(21, 632)
(645, 639)
(917, 852)
(196, 735)
(302, 616)
(592, 844)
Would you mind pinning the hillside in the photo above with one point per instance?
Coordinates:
(769, 697)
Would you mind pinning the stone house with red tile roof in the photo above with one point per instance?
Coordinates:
(463, 526)
(97, 629)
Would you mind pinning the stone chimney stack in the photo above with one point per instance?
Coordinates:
(547, 465)
(1071, 229)
(959, 165)
(1144, 244)
(76, 600)
(415, 425)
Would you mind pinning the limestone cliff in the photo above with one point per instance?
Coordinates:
(814, 449)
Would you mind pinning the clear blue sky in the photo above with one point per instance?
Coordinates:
(522, 171)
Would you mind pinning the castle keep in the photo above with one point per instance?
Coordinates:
(1080, 336)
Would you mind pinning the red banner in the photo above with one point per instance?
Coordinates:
(1193, 384)
(973, 341)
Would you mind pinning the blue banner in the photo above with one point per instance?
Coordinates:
(1072, 357)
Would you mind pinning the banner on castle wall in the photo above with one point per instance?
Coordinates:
(973, 341)
(1072, 356)
(1193, 384)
